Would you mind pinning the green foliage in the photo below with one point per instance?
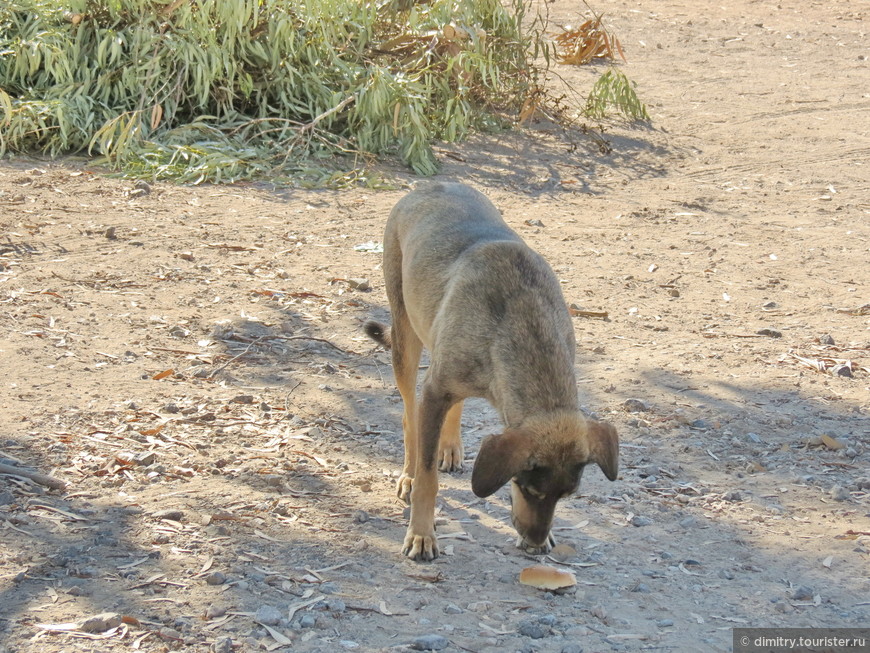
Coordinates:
(613, 90)
(218, 90)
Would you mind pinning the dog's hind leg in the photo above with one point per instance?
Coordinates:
(451, 454)
(406, 348)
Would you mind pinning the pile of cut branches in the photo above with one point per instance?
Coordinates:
(207, 90)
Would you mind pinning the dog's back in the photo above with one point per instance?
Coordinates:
(482, 302)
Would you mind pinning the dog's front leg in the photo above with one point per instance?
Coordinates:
(420, 542)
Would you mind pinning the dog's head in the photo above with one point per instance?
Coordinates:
(543, 461)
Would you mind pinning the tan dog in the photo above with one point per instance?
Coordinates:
(490, 311)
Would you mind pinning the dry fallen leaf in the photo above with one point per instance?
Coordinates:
(586, 43)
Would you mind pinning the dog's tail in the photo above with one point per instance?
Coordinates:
(379, 332)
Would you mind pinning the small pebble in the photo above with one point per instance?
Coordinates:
(826, 339)
(170, 514)
(754, 437)
(839, 493)
(639, 520)
(635, 406)
(572, 648)
(170, 635)
(771, 333)
(359, 284)
(361, 516)
(307, 621)
(688, 522)
(803, 593)
(268, 615)
(532, 629)
(734, 496)
(100, 623)
(548, 620)
(842, 370)
(452, 608)
(223, 644)
(430, 643)
(216, 578)
(665, 623)
(642, 588)
(215, 611)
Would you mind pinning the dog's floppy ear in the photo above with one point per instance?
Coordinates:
(604, 448)
(501, 457)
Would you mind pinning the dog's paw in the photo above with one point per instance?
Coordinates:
(450, 458)
(403, 488)
(420, 547)
(537, 549)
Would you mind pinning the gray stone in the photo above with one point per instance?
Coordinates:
(688, 522)
(548, 620)
(268, 615)
(734, 496)
(532, 629)
(826, 339)
(665, 623)
(216, 578)
(215, 611)
(839, 493)
(430, 643)
(170, 514)
(359, 284)
(640, 520)
(635, 406)
(803, 593)
(842, 370)
(222, 644)
(452, 608)
(307, 621)
(100, 623)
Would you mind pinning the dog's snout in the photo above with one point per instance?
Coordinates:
(533, 518)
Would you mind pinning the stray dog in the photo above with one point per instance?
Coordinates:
(490, 311)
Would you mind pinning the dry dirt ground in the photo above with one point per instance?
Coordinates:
(190, 361)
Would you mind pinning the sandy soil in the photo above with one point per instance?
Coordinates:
(190, 361)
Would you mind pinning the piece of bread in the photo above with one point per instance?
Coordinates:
(547, 578)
